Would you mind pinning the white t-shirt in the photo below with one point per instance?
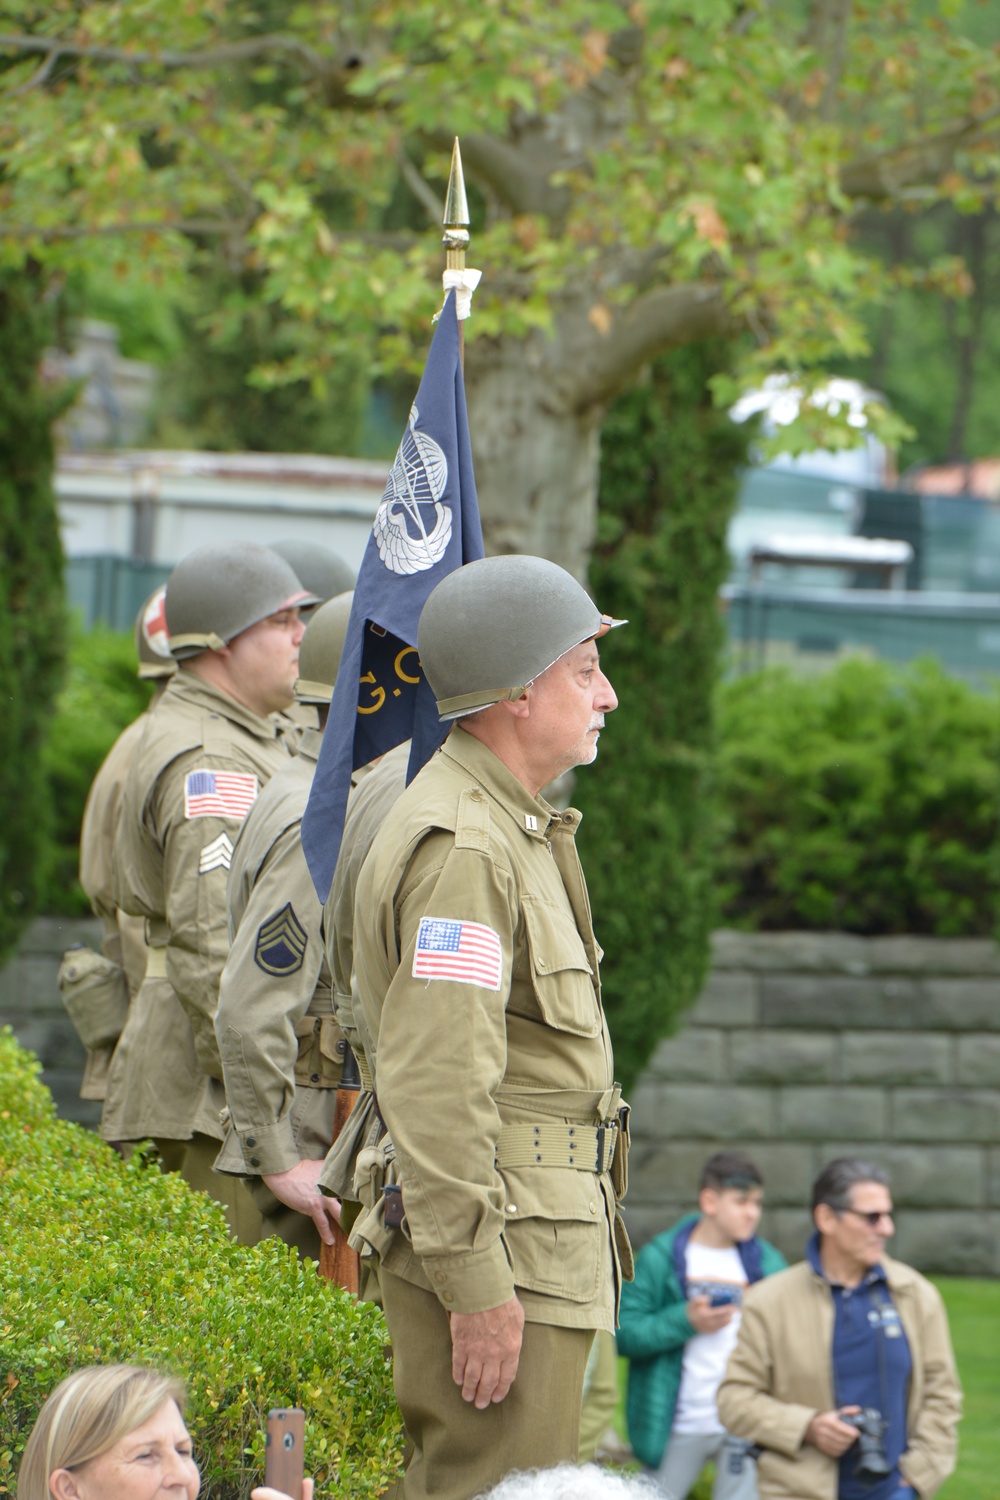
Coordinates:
(706, 1354)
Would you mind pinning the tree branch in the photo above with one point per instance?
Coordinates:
(420, 188)
(917, 164)
(248, 48)
(659, 319)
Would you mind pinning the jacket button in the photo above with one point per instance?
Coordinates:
(255, 1161)
(593, 1206)
(440, 1277)
(512, 1208)
(251, 1140)
(447, 1297)
(314, 1078)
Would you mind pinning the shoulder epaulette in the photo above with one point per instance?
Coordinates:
(472, 829)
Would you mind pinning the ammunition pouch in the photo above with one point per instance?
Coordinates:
(94, 991)
(377, 1186)
(321, 1053)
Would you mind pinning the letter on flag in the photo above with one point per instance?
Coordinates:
(427, 524)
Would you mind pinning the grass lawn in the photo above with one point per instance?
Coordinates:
(974, 1314)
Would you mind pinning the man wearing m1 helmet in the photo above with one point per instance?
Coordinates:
(491, 1202)
(232, 617)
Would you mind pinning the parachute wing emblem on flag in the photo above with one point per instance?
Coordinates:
(417, 480)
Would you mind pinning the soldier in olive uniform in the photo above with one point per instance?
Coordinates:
(123, 941)
(493, 1207)
(234, 629)
(282, 1052)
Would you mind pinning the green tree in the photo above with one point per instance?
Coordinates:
(32, 622)
(645, 175)
(668, 486)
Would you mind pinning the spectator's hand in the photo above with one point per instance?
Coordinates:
(485, 1349)
(704, 1318)
(829, 1434)
(264, 1492)
(297, 1188)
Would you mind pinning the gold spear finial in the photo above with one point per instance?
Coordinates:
(456, 215)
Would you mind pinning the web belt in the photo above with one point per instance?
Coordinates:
(156, 963)
(587, 1148)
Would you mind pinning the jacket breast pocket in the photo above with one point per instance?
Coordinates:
(555, 1228)
(561, 975)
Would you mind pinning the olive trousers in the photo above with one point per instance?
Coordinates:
(454, 1451)
(193, 1160)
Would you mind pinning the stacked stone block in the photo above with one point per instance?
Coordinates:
(805, 1046)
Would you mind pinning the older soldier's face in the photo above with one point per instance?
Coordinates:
(568, 704)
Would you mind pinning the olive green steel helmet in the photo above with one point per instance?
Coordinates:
(490, 628)
(318, 569)
(320, 651)
(151, 643)
(216, 592)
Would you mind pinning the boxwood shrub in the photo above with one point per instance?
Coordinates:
(863, 799)
(103, 1261)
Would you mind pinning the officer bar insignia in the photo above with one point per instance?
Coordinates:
(463, 952)
(218, 794)
(281, 944)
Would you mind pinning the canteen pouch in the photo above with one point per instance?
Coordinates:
(319, 1064)
(94, 991)
(619, 1162)
(374, 1231)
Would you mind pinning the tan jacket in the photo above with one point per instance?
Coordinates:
(123, 938)
(274, 1024)
(489, 1086)
(779, 1377)
(172, 859)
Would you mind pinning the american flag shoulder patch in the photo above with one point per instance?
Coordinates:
(463, 952)
(219, 794)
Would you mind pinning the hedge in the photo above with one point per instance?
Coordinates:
(864, 799)
(103, 1261)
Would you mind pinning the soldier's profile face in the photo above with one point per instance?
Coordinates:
(568, 705)
(264, 661)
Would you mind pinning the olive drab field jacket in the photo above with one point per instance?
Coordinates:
(198, 769)
(275, 1026)
(123, 937)
(477, 971)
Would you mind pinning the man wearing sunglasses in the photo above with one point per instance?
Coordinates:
(843, 1371)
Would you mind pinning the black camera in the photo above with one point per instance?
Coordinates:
(871, 1463)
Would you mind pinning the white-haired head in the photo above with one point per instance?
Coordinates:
(574, 1482)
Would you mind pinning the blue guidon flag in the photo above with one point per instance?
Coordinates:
(427, 525)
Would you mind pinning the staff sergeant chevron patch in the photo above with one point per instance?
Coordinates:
(218, 855)
(281, 944)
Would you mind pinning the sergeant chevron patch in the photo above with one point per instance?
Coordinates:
(218, 855)
(281, 944)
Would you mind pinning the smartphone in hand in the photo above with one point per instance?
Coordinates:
(284, 1463)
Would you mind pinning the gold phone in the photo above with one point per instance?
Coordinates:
(284, 1462)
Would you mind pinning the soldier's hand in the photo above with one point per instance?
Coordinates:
(704, 1318)
(829, 1434)
(485, 1348)
(298, 1188)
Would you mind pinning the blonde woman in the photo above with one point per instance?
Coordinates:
(115, 1432)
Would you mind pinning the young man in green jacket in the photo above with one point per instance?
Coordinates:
(678, 1325)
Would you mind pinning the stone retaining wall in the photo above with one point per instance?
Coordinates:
(802, 1046)
(805, 1046)
(30, 1004)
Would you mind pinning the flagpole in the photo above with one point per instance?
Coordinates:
(456, 233)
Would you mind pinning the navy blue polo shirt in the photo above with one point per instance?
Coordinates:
(871, 1367)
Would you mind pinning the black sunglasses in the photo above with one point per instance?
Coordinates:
(873, 1219)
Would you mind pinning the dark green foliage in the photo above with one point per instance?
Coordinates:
(668, 485)
(100, 696)
(101, 1262)
(864, 799)
(208, 399)
(32, 612)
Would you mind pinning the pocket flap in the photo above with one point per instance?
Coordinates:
(561, 972)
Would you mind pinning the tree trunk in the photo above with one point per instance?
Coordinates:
(536, 456)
